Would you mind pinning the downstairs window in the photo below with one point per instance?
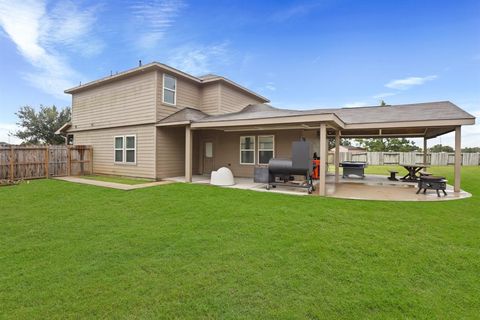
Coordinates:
(125, 149)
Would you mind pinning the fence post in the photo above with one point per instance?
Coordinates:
(47, 162)
(69, 163)
(12, 176)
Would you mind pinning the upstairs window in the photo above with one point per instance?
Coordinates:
(247, 150)
(266, 149)
(169, 89)
(125, 149)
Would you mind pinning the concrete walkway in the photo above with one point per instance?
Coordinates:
(113, 185)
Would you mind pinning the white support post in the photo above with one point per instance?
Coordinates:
(458, 158)
(188, 154)
(337, 155)
(322, 188)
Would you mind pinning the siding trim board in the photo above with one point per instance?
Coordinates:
(112, 127)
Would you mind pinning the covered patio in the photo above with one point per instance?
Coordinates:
(373, 187)
(425, 120)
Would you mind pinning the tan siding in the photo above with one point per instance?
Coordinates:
(103, 150)
(128, 101)
(170, 152)
(227, 148)
(188, 95)
(210, 101)
(234, 100)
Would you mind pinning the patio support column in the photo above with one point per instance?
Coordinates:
(458, 158)
(322, 191)
(337, 155)
(425, 152)
(188, 154)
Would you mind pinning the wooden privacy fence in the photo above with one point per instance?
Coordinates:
(32, 162)
(394, 158)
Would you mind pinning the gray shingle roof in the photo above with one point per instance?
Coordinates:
(441, 110)
(186, 114)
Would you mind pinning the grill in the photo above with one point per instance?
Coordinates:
(355, 168)
(433, 183)
(282, 171)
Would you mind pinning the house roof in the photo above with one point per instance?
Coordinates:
(184, 116)
(441, 110)
(64, 128)
(210, 78)
(354, 148)
(413, 120)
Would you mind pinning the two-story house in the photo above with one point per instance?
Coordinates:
(155, 121)
(118, 116)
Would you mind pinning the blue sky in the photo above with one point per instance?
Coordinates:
(300, 54)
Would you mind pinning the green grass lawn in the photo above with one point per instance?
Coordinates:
(118, 179)
(183, 251)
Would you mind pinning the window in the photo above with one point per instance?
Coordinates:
(247, 150)
(266, 149)
(118, 149)
(70, 139)
(208, 149)
(125, 149)
(169, 89)
(130, 149)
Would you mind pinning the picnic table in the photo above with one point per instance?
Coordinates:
(412, 169)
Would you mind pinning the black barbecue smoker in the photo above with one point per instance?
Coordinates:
(282, 172)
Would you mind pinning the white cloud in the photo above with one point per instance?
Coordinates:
(355, 104)
(42, 36)
(297, 10)
(384, 95)
(270, 86)
(152, 19)
(198, 59)
(5, 130)
(403, 84)
(73, 28)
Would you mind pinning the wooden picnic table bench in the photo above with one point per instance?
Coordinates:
(393, 175)
(412, 170)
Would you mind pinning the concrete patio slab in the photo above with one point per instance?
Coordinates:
(112, 185)
(378, 187)
(372, 187)
(245, 184)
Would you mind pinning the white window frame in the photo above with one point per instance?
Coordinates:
(174, 91)
(124, 149)
(273, 147)
(250, 150)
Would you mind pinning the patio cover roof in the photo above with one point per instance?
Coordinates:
(410, 120)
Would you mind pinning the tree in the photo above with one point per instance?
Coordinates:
(440, 148)
(471, 150)
(39, 127)
(390, 144)
(383, 104)
(343, 142)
